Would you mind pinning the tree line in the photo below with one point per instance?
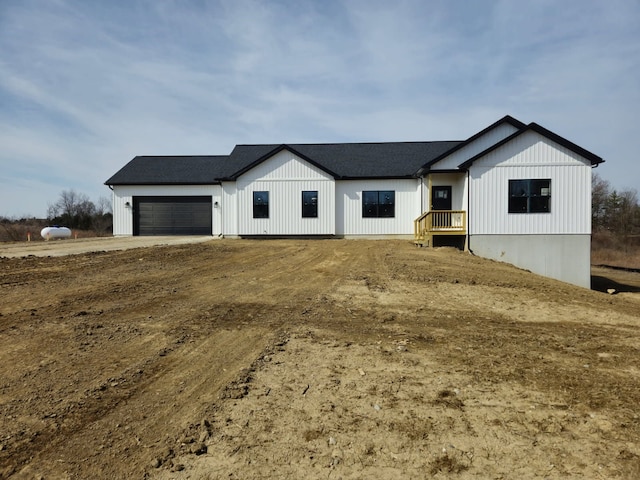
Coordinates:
(72, 209)
(77, 211)
(613, 211)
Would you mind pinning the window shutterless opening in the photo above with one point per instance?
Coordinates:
(260, 204)
(530, 196)
(378, 203)
(310, 204)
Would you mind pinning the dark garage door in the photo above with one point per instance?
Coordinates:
(172, 215)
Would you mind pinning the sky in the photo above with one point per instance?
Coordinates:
(86, 85)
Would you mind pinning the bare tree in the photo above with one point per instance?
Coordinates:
(72, 209)
(71, 204)
(600, 191)
(103, 218)
(628, 212)
(103, 206)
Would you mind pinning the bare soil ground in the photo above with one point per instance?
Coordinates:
(313, 359)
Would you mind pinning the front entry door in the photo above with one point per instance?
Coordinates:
(441, 197)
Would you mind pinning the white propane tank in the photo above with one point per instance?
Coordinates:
(55, 232)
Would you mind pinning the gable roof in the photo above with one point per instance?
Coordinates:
(350, 160)
(507, 119)
(340, 160)
(244, 153)
(593, 158)
(343, 161)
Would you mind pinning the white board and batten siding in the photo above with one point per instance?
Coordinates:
(493, 136)
(530, 156)
(123, 194)
(349, 219)
(229, 210)
(285, 176)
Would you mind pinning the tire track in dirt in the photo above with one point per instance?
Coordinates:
(139, 414)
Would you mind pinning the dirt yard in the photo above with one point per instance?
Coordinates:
(313, 359)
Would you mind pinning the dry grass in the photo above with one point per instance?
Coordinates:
(19, 231)
(608, 249)
(16, 231)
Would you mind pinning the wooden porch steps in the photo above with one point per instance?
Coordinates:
(439, 222)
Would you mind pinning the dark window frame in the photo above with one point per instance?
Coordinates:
(378, 204)
(261, 204)
(530, 195)
(309, 204)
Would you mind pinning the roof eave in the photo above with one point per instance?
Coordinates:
(118, 184)
(593, 158)
(444, 170)
(378, 177)
(506, 119)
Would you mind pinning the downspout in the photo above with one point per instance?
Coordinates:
(469, 213)
(221, 234)
(421, 180)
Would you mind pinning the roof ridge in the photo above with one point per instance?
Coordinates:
(344, 143)
(178, 156)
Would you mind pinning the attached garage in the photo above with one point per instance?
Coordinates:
(172, 215)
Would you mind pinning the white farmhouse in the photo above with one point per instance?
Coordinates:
(513, 192)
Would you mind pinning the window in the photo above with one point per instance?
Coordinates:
(260, 204)
(310, 204)
(530, 196)
(378, 204)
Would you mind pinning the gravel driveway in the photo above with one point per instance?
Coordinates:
(58, 248)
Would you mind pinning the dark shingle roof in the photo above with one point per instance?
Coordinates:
(172, 170)
(350, 160)
(341, 160)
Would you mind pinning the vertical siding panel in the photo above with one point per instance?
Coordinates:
(530, 156)
(349, 206)
(285, 176)
(478, 145)
(122, 216)
(229, 209)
